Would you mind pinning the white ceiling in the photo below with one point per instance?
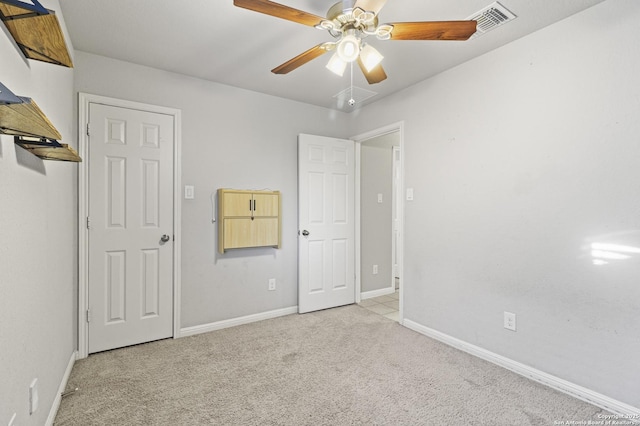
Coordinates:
(216, 41)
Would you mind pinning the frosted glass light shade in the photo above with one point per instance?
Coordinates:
(348, 48)
(370, 57)
(336, 65)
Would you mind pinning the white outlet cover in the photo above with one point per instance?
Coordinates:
(510, 321)
(379, 198)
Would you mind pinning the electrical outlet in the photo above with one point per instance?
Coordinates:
(510, 321)
(272, 284)
(375, 269)
(33, 396)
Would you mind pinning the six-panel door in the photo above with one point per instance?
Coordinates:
(326, 216)
(130, 210)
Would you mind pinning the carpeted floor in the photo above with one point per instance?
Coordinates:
(343, 366)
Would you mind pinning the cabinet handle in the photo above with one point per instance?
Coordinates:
(249, 205)
(254, 205)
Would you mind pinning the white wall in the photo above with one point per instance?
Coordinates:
(37, 244)
(231, 138)
(376, 226)
(520, 160)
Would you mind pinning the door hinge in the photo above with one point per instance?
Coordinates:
(88, 129)
(88, 315)
(88, 223)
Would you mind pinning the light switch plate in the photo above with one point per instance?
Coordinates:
(379, 198)
(189, 192)
(409, 194)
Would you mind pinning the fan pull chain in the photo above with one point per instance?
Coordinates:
(352, 102)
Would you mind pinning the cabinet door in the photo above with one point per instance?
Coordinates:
(266, 204)
(237, 204)
(238, 232)
(244, 232)
(265, 231)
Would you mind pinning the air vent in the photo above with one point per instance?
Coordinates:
(356, 93)
(490, 18)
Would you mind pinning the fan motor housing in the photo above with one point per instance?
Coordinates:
(342, 17)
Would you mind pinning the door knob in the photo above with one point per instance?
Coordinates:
(165, 238)
(305, 233)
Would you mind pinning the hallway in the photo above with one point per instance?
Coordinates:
(387, 306)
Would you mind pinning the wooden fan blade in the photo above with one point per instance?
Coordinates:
(302, 59)
(370, 5)
(279, 11)
(436, 30)
(376, 75)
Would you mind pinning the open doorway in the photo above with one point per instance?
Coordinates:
(379, 210)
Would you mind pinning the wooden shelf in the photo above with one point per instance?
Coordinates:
(21, 117)
(26, 119)
(39, 36)
(63, 152)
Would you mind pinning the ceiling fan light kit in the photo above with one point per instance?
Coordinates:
(350, 23)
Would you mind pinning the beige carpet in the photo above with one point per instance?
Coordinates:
(344, 366)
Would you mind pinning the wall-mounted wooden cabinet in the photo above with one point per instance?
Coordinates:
(248, 219)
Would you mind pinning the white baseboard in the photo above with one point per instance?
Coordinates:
(624, 411)
(219, 325)
(63, 385)
(376, 293)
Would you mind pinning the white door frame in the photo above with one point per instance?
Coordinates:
(84, 99)
(396, 205)
(359, 139)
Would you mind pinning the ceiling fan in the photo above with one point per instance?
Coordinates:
(350, 22)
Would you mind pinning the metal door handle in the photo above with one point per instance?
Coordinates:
(165, 238)
(305, 233)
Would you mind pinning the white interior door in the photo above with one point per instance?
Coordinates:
(130, 227)
(326, 221)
